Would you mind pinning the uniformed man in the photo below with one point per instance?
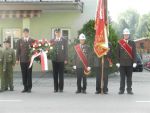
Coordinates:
(1, 68)
(22, 54)
(82, 63)
(98, 71)
(126, 56)
(8, 64)
(61, 57)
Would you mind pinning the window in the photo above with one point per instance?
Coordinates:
(142, 45)
(64, 32)
(13, 35)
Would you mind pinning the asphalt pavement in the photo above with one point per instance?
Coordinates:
(44, 100)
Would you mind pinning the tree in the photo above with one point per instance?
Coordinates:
(128, 19)
(113, 38)
(143, 29)
(88, 30)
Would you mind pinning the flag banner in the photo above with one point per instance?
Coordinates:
(101, 35)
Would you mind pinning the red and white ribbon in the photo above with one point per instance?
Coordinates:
(44, 61)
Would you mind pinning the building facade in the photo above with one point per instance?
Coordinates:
(143, 45)
(43, 16)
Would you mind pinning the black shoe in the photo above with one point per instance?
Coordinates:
(23, 91)
(60, 91)
(29, 91)
(105, 92)
(84, 91)
(97, 92)
(11, 89)
(121, 92)
(78, 91)
(55, 91)
(130, 92)
(1, 90)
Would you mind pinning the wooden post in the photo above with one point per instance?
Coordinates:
(102, 75)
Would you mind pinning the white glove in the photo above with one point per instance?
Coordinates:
(134, 65)
(88, 68)
(118, 65)
(74, 67)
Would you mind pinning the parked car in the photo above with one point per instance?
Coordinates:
(139, 67)
(147, 65)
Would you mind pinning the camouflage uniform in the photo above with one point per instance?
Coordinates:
(9, 62)
(1, 67)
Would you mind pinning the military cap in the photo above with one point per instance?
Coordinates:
(26, 30)
(7, 41)
(57, 30)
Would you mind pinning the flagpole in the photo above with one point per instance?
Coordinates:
(102, 76)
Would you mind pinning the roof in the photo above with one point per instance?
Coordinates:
(139, 39)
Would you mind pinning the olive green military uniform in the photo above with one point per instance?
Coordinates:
(9, 62)
(1, 67)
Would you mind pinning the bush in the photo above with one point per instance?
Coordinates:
(89, 31)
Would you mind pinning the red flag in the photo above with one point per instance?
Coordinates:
(101, 40)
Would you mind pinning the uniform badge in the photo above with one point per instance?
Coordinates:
(84, 51)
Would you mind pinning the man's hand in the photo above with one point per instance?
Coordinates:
(88, 68)
(118, 65)
(74, 67)
(134, 65)
(66, 62)
(110, 65)
(4, 70)
(17, 62)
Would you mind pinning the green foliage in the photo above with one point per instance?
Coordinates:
(113, 38)
(139, 25)
(143, 29)
(128, 19)
(88, 30)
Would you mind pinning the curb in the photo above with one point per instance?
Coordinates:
(147, 69)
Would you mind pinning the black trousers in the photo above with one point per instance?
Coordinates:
(98, 72)
(80, 76)
(58, 75)
(126, 71)
(26, 75)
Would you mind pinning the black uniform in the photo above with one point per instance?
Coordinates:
(80, 68)
(61, 55)
(23, 56)
(126, 66)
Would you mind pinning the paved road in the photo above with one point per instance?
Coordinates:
(43, 100)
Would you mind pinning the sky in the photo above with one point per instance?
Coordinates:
(115, 7)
